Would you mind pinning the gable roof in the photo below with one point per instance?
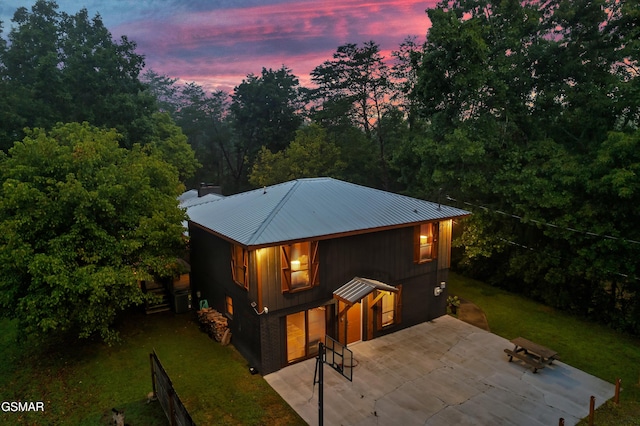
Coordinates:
(358, 288)
(313, 208)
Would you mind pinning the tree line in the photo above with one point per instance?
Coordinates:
(524, 112)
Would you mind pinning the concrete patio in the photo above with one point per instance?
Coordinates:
(443, 372)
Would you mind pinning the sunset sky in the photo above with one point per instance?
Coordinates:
(216, 43)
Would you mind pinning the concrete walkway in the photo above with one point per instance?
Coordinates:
(445, 372)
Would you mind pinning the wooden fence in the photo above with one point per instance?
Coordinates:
(167, 396)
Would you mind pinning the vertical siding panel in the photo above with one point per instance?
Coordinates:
(444, 245)
(386, 256)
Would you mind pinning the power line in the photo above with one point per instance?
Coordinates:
(540, 222)
(513, 243)
(551, 225)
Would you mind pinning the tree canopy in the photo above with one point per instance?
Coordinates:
(310, 154)
(82, 222)
(354, 85)
(67, 68)
(530, 121)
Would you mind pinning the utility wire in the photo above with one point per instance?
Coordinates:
(539, 222)
(551, 225)
(620, 274)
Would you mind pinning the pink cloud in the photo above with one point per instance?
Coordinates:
(218, 48)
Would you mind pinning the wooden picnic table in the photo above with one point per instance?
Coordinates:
(537, 356)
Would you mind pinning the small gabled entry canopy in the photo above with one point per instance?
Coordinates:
(358, 288)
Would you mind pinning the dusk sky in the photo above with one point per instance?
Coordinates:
(216, 43)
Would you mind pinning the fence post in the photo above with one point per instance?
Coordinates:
(172, 409)
(616, 398)
(592, 406)
(153, 374)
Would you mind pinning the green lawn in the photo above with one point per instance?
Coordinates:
(80, 383)
(590, 347)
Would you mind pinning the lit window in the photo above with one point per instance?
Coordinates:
(239, 265)
(388, 309)
(425, 241)
(299, 266)
(229, 306)
(304, 331)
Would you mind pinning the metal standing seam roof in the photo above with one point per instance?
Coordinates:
(310, 208)
(358, 288)
(195, 201)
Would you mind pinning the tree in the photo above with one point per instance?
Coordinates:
(65, 68)
(355, 84)
(82, 223)
(521, 99)
(170, 145)
(404, 77)
(311, 154)
(204, 119)
(624, 27)
(264, 112)
(10, 121)
(163, 89)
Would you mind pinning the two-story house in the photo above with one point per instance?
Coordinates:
(293, 262)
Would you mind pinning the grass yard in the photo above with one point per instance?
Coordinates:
(80, 383)
(590, 347)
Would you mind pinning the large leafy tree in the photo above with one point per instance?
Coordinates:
(310, 154)
(404, 77)
(64, 68)
(355, 85)
(265, 111)
(170, 144)
(203, 118)
(82, 222)
(521, 99)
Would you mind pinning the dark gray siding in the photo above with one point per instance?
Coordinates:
(386, 256)
(211, 275)
(273, 298)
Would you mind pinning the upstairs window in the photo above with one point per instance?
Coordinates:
(239, 265)
(299, 266)
(425, 242)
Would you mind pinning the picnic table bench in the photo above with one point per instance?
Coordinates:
(533, 354)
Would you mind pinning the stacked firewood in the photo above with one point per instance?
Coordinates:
(214, 324)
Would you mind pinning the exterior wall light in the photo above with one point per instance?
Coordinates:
(265, 310)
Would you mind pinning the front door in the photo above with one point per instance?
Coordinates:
(349, 323)
(354, 323)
